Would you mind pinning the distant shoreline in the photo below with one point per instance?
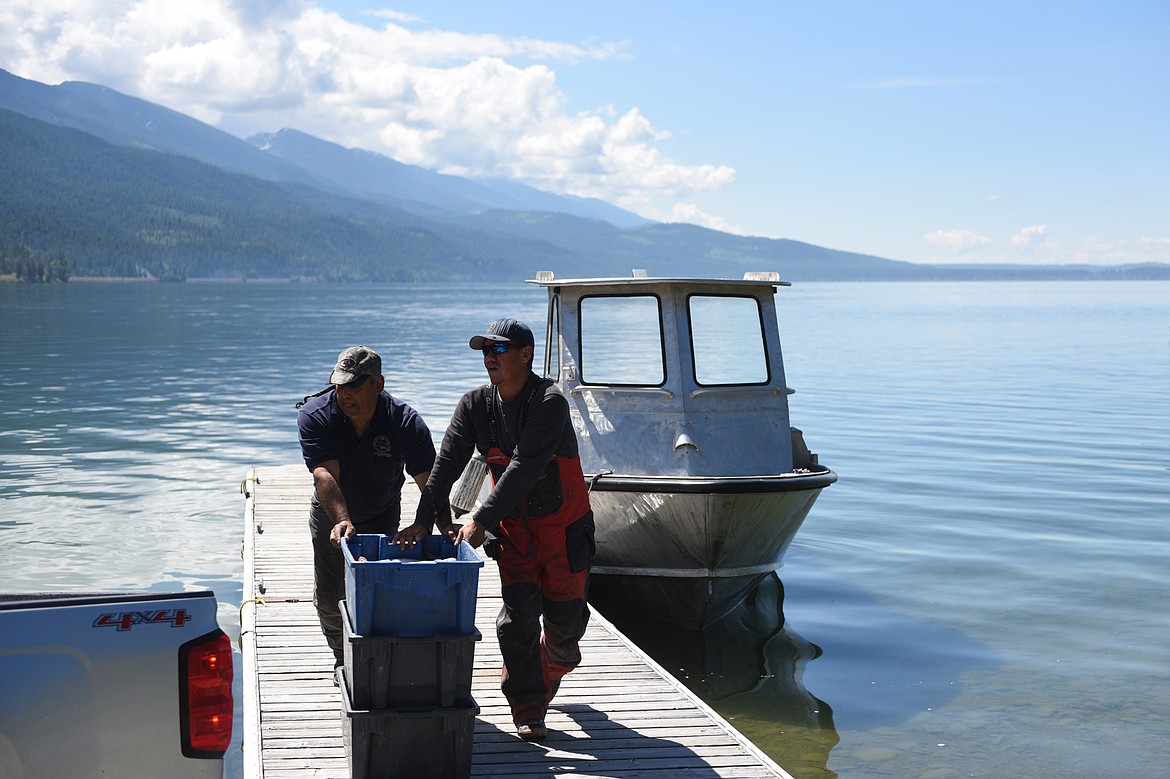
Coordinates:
(201, 280)
(1038, 273)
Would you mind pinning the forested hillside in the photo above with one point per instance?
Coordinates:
(122, 212)
(114, 211)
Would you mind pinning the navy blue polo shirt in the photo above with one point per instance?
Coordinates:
(372, 468)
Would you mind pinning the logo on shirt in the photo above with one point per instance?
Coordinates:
(382, 447)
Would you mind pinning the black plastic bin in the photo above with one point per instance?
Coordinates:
(387, 672)
(434, 744)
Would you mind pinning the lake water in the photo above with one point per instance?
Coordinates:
(983, 593)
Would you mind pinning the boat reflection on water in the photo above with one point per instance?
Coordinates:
(748, 667)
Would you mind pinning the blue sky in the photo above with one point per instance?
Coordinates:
(1024, 132)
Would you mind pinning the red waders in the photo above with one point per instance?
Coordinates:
(544, 570)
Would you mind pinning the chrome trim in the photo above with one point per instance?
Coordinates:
(722, 390)
(816, 479)
(581, 389)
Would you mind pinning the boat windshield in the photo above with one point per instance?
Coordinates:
(621, 340)
(727, 340)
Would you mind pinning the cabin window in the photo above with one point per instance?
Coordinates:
(552, 354)
(727, 340)
(621, 340)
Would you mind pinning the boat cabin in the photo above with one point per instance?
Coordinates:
(672, 377)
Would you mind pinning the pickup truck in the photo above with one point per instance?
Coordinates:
(123, 685)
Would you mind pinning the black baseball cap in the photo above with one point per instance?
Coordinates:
(504, 330)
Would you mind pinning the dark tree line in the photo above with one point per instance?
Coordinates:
(26, 265)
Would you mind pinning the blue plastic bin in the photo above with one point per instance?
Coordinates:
(429, 590)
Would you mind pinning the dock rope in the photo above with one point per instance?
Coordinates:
(261, 601)
(244, 485)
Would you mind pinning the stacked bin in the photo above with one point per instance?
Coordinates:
(409, 621)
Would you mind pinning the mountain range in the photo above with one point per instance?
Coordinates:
(119, 186)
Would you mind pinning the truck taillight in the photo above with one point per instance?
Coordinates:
(205, 695)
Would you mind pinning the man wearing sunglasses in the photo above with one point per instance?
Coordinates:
(358, 441)
(537, 514)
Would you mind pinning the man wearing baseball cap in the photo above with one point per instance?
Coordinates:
(358, 442)
(538, 513)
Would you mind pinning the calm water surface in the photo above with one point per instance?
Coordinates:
(983, 593)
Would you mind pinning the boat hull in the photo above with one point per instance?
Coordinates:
(687, 551)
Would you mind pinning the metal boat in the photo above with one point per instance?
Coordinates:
(678, 396)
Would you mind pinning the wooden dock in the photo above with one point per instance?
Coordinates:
(619, 715)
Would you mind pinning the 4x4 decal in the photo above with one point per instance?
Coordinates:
(127, 619)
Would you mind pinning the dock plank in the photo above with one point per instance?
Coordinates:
(618, 716)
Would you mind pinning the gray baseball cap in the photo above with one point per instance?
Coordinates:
(504, 330)
(355, 362)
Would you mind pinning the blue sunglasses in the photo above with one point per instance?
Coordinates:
(499, 348)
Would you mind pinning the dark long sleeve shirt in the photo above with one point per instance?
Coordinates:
(530, 428)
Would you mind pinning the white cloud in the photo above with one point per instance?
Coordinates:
(1095, 251)
(472, 104)
(1035, 246)
(395, 16)
(956, 240)
(689, 212)
(1159, 247)
(1030, 237)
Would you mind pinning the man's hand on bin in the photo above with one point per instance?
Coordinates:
(472, 532)
(412, 535)
(451, 530)
(343, 529)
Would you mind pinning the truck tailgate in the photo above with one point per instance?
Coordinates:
(97, 686)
